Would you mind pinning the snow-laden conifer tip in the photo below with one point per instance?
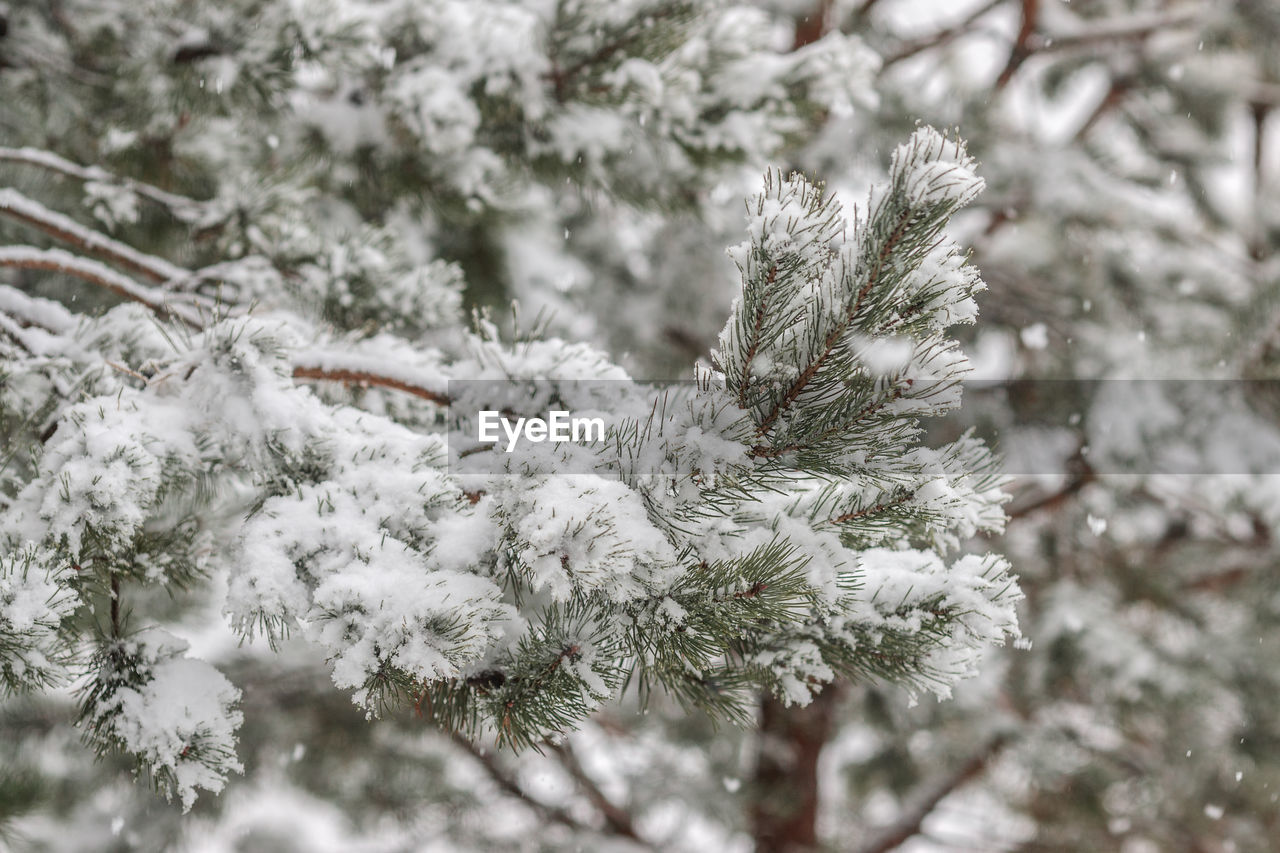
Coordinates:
(931, 168)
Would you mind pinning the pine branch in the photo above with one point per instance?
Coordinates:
(354, 376)
(182, 205)
(64, 229)
(753, 347)
(883, 506)
(562, 78)
(59, 261)
(833, 337)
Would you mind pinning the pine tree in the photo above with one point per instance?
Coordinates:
(233, 326)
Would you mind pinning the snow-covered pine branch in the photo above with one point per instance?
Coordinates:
(722, 548)
(253, 389)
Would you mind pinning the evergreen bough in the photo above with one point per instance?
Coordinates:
(254, 391)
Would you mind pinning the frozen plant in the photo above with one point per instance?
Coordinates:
(782, 526)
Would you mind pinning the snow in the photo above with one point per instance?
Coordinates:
(932, 169)
(54, 163)
(586, 534)
(179, 718)
(58, 260)
(1035, 336)
(329, 510)
(111, 204)
(380, 356)
(45, 313)
(35, 598)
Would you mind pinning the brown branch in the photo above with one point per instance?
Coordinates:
(189, 53)
(1259, 112)
(1102, 35)
(618, 819)
(687, 341)
(1022, 46)
(362, 377)
(115, 605)
(1113, 98)
(66, 230)
(814, 25)
(1073, 485)
(509, 785)
(872, 510)
(911, 48)
(56, 260)
(785, 784)
(928, 799)
(1028, 43)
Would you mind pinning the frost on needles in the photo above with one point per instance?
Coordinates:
(775, 526)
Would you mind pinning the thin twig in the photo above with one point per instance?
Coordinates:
(872, 510)
(115, 605)
(510, 786)
(1073, 485)
(1258, 244)
(86, 269)
(363, 377)
(62, 166)
(618, 819)
(911, 48)
(1113, 98)
(548, 812)
(927, 800)
(1022, 47)
(66, 230)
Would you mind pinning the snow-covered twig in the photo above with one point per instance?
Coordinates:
(354, 369)
(59, 261)
(182, 206)
(65, 229)
(34, 311)
(911, 48)
(360, 377)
